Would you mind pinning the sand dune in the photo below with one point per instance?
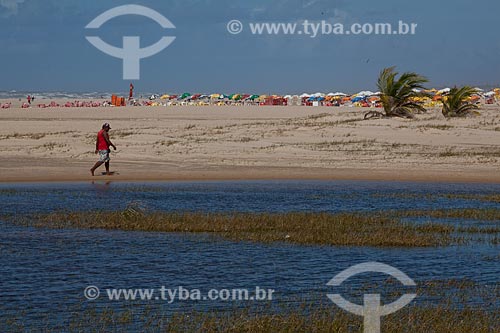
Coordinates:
(174, 143)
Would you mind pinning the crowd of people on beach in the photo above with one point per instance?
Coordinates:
(432, 98)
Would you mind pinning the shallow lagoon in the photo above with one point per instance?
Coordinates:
(44, 272)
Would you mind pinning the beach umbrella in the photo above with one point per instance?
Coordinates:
(304, 95)
(365, 93)
(358, 99)
(185, 95)
(443, 91)
(254, 97)
(165, 97)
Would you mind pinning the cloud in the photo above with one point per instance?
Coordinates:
(9, 7)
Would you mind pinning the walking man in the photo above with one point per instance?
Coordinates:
(102, 148)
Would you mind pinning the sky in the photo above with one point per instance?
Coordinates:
(43, 45)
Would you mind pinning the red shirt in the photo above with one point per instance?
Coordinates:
(102, 144)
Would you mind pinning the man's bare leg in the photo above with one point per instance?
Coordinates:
(107, 168)
(98, 164)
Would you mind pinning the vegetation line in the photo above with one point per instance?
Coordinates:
(342, 229)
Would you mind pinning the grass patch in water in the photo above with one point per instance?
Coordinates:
(344, 229)
(480, 214)
(303, 318)
(431, 196)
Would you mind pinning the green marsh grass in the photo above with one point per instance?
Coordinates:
(302, 318)
(441, 306)
(383, 229)
(482, 214)
(494, 197)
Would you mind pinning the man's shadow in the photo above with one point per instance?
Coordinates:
(111, 173)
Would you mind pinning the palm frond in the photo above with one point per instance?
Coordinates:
(397, 93)
(457, 103)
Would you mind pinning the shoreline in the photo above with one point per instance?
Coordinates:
(126, 174)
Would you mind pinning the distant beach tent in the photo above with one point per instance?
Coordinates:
(365, 93)
(337, 94)
(358, 99)
(294, 100)
(443, 91)
(316, 98)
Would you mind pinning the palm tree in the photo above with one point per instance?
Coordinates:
(457, 103)
(397, 94)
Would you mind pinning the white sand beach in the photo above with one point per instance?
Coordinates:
(253, 142)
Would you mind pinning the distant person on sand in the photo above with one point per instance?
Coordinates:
(29, 99)
(102, 148)
(131, 93)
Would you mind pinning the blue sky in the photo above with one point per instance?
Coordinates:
(44, 46)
